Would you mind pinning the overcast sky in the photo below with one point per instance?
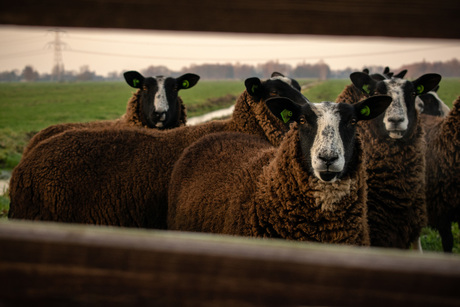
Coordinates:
(119, 50)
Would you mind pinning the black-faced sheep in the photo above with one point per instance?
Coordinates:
(311, 188)
(395, 148)
(155, 104)
(120, 176)
(431, 104)
(443, 169)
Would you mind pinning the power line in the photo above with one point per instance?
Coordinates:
(23, 54)
(324, 57)
(180, 44)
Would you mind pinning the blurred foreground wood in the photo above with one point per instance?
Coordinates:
(77, 265)
(410, 18)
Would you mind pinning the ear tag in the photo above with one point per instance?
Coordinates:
(135, 82)
(420, 89)
(185, 84)
(366, 111)
(253, 89)
(366, 88)
(286, 115)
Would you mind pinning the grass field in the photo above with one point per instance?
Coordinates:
(30, 107)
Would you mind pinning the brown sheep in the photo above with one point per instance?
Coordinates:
(153, 94)
(120, 176)
(395, 146)
(443, 169)
(311, 188)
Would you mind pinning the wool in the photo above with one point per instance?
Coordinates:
(442, 172)
(118, 175)
(395, 179)
(241, 185)
(133, 117)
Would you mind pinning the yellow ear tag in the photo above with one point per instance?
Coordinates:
(135, 82)
(253, 89)
(286, 115)
(365, 111)
(185, 84)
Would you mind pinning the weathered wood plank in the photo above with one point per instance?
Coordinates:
(87, 265)
(421, 18)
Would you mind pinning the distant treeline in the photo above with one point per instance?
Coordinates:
(319, 70)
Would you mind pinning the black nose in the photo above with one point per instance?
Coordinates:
(396, 120)
(329, 159)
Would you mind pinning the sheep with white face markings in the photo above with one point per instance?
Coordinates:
(395, 146)
(311, 188)
(430, 104)
(155, 104)
(120, 176)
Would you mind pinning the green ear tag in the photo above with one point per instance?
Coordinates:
(253, 89)
(286, 115)
(135, 82)
(420, 89)
(366, 88)
(185, 84)
(365, 111)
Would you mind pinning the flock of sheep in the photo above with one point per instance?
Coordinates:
(371, 168)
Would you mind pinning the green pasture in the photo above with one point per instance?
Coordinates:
(449, 90)
(29, 107)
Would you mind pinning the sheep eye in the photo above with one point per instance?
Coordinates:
(145, 88)
(302, 120)
(353, 122)
(273, 93)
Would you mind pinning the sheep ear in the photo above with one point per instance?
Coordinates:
(386, 70)
(254, 87)
(187, 81)
(363, 81)
(277, 74)
(366, 71)
(401, 74)
(134, 79)
(284, 108)
(377, 77)
(372, 107)
(426, 83)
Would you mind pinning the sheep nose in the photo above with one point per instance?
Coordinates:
(329, 160)
(395, 120)
(161, 115)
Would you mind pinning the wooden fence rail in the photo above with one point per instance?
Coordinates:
(410, 18)
(77, 265)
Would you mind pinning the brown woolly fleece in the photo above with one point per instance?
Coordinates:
(235, 184)
(442, 172)
(396, 182)
(132, 117)
(118, 175)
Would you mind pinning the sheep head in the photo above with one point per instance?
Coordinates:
(327, 131)
(400, 118)
(159, 97)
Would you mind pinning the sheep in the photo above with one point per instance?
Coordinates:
(311, 188)
(119, 176)
(431, 104)
(443, 168)
(154, 105)
(395, 146)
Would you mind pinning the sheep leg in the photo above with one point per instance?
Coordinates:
(417, 245)
(447, 239)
